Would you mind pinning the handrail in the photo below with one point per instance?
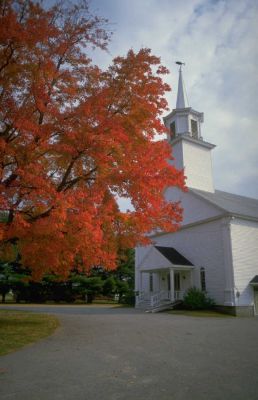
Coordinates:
(139, 297)
(165, 295)
(179, 294)
(156, 297)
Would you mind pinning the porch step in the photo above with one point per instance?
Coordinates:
(164, 307)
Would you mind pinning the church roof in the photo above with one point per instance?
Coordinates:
(231, 203)
(173, 256)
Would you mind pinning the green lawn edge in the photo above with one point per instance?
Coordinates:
(20, 328)
(200, 313)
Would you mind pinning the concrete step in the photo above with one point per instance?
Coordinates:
(164, 307)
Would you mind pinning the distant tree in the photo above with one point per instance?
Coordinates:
(109, 286)
(11, 277)
(73, 138)
(87, 287)
(124, 276)
(5, 282)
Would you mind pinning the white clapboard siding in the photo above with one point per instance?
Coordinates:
(195, 159)
(194, 208)
(203, 246)
(244, 235)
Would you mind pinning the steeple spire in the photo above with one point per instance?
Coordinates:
(190, 152)
(183, 120)
(182, 100)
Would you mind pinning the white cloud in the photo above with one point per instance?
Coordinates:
(218, 41)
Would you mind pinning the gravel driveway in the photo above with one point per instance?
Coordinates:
(102, 353)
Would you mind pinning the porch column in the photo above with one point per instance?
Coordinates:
(172, 286)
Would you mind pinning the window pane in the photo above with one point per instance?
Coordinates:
(151, 283)
(194, 129)
(172, 130)
(203, 280)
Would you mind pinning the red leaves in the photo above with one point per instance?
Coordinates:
(73, 139)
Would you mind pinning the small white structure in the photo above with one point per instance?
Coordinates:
(216, 248)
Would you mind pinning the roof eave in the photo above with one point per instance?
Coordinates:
(198, 195)
(242, 216)
(192, 140)
(185, 110)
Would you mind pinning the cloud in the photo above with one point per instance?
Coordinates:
(218, 42)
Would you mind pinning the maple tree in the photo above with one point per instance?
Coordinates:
(73, 138)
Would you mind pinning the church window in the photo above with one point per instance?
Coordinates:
(203, 279)
(172, 130)
(151, 282)
(194, 129)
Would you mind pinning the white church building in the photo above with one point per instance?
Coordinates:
(216, 247)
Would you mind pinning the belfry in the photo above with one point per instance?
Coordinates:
(190, 151)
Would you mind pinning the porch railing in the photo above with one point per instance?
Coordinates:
(155, 298)
(140, 297)
(179, 294)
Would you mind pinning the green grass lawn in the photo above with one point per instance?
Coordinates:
(200, 313)
(18, 328)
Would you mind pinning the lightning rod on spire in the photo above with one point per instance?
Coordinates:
(180, 63)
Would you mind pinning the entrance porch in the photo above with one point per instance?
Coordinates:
(162, 277)
(163, 287)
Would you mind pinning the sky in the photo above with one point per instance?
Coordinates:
(218, 41)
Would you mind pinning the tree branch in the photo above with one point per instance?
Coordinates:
(67, 173)
(42, 215)
(8, 57)
(86, 177)
(9, 180)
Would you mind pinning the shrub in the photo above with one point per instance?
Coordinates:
(128, 298)
(195, 299)
(109, 286)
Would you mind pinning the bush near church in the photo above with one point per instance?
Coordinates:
(196, 299)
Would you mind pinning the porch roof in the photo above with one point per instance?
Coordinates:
(173, 255)
(254, 281)
(162, 258)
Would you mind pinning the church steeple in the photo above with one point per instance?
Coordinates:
(182, 100)
(183, 120)
(190, 151)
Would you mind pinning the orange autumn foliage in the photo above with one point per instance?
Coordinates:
(73, 138)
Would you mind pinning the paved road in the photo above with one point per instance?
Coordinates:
(121, 354)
